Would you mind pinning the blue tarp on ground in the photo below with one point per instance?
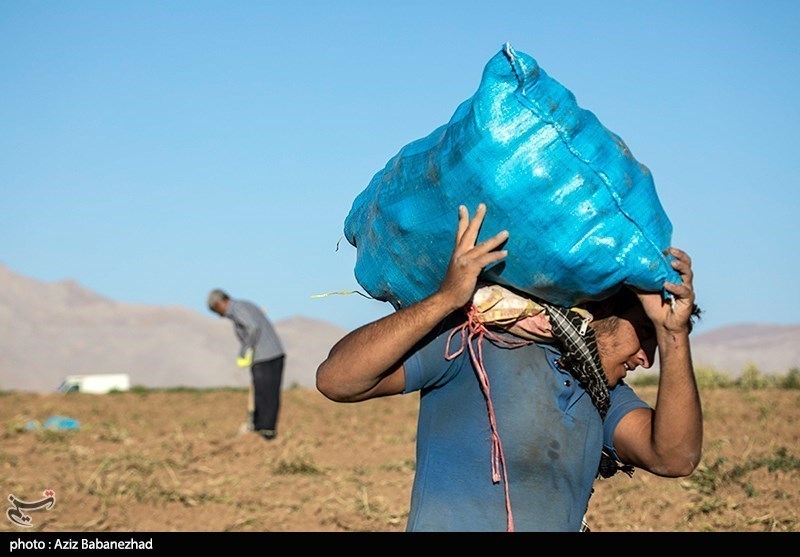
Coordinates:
(582, 213)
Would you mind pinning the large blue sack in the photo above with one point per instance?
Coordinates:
(583, 215)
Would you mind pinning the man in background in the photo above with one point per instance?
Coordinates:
(261, 351)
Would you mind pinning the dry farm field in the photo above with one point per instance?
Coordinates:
(176, 460)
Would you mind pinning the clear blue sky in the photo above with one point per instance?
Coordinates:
(155, 150)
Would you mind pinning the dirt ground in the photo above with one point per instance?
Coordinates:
(175, 461)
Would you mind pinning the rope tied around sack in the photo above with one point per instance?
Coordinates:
(474, 330)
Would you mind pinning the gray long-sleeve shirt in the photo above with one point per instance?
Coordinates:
(254, 331)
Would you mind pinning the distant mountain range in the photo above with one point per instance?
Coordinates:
(773, 348)
(51, 330)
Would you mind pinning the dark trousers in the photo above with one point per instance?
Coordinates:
(267, 378)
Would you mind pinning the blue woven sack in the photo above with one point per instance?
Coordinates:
(583, 215)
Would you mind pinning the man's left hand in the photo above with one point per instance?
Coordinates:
(673, 317)
(246, 360)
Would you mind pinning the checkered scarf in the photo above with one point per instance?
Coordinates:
(579, 354)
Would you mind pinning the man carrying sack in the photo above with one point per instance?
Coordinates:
(540, 415)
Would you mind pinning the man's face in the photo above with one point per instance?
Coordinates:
(220, 307)
(624, 343)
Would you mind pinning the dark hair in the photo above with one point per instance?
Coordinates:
(620, 303)
(216, 295)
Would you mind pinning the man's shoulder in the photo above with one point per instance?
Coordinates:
(242, 307)
(440, 332)
(245, 304)
(254, 311)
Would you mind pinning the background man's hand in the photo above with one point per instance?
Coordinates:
(469, 259)
(246, 360)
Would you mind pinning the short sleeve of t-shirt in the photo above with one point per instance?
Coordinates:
(623, 400)
(427, 366)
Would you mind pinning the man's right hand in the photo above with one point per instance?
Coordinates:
(368, 362)
(468, 259)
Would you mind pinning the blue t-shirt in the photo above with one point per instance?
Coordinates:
(550, 431)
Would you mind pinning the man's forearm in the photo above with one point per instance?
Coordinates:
(250, 340)
(247, 330)
(678, 421)
(358, 362)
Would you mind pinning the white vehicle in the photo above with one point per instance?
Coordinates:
(97, 384)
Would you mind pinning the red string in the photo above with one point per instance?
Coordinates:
(472, 329)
